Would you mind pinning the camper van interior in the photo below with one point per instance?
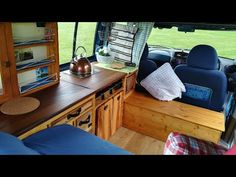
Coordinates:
(117, 88)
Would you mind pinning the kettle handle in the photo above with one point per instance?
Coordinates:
(75, 53)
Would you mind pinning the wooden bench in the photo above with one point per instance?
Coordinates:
(144, 114)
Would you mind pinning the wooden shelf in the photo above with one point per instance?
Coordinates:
(39, 88)
(19, 46)
(35, 67)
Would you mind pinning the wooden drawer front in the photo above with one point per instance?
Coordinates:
(73, 114)
(85, 121)
(130, 82)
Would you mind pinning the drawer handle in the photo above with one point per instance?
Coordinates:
(85, 121)
(69, 116)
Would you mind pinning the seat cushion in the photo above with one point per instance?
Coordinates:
(11, 145)
(164, 84)
(69, 140)
(179, 144)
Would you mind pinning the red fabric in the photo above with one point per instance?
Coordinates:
(231, 151)
(178, 144)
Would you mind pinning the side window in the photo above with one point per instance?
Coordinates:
(86, 35)
(65, 36)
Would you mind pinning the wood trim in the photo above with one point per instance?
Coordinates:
(35, 67)
(11, 57)
(33, 45)
(40, 88)
(5, 72)
(34, 130)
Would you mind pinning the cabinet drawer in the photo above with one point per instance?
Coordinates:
(85, 122)
(73, 114)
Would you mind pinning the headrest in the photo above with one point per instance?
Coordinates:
(203, 56)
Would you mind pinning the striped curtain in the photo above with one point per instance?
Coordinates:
(141, 37)
(122, 42)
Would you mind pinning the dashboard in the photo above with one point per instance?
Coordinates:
(178, 56)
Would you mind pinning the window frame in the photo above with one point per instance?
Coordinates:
(92, 58)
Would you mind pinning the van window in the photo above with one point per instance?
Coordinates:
(223, 41)
(85, 37)
(65, 35)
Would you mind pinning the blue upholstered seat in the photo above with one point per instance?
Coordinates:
(146, 67)
(59, 140)
(69, 140)
(11, 145)
(206, 86)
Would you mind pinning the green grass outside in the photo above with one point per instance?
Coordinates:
(223, 41)
(85, 37)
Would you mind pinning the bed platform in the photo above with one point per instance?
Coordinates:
(144, 114)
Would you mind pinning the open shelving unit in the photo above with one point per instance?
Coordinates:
(33, 53)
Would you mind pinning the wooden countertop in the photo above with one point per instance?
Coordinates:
(100, 79)
(53, 100)
(187, 112)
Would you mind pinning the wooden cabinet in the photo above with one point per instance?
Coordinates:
(130, 82)
(80, 115)
(104, 117)
(117, 112)
(29, 57)
(109, 116)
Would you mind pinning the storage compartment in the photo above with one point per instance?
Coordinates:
(85, 122)
(108, 91)
(71, 116)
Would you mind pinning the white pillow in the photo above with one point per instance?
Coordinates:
(164, 84)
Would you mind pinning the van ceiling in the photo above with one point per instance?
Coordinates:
(192, 26)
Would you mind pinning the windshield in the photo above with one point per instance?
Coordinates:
(223, 41)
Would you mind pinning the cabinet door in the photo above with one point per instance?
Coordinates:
(104, 114)
(116, 120)
(5, 87)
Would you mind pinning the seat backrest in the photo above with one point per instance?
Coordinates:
(206, 86)
(146, 67)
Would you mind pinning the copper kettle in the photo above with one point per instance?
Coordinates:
(81, 66)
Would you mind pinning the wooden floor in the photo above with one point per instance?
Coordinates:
(137, 143)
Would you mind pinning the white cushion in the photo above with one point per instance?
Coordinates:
(164, 84)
